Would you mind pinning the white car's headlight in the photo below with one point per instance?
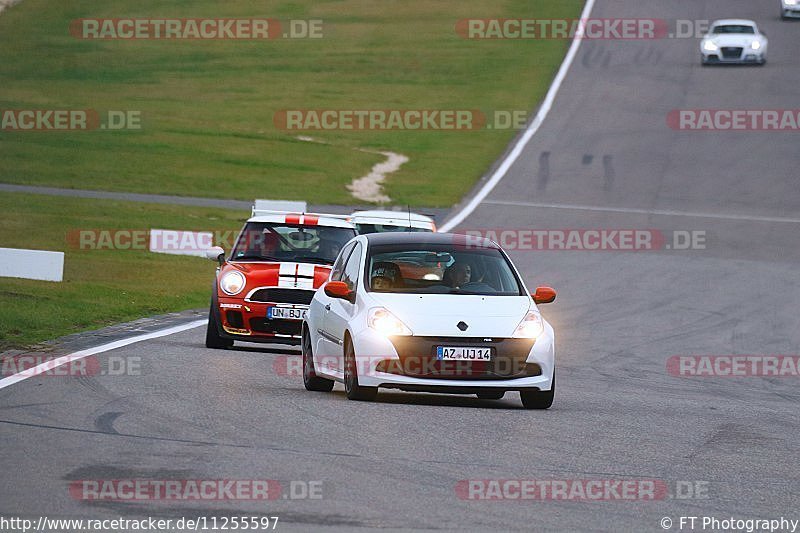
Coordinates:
(709, 46)
(232, 283)
(790, 2)
(384, 322)
(531, 326)
(755, 45)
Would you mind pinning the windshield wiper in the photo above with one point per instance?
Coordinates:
(256, 256)
(313, 259)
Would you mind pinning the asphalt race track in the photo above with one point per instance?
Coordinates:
(604, 158)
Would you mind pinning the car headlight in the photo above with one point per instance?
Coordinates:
(531, 326)
(232, 283)
(755, 45)
(790, 2)
(384, 322)
(709, 46)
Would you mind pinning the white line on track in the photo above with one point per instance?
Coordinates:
(665, 212)
(58, 361)
(544, 109)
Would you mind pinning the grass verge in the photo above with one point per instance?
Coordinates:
(100, 287)
(208, 106)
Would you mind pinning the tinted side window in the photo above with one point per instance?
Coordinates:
(338, 266)
(350, 274)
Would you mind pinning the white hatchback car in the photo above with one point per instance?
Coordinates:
(734, 41)
(429, 312)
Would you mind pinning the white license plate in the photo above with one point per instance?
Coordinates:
(460, 353)
(286, 313)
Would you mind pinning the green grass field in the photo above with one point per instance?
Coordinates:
(100, 287)
(207, 106)
(207, 111)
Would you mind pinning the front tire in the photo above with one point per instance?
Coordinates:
(213, 338)
(351, 387)
(539, 399)
(311, 380)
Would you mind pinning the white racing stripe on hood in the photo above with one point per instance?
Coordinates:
(305, 270)
(288, 269)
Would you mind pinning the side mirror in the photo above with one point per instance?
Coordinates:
(544, 295)
(216, 253)
(338, 289)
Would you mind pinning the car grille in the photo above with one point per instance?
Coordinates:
(278, 295)
(278, 326)
(731, 52)
(418, 359)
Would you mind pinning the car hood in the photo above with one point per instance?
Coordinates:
(439, 314)
(733, 39)
(286, 274)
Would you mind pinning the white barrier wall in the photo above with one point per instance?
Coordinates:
(31, 264)
(167, 241)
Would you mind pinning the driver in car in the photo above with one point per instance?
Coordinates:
(329, 245)
(457, 275)
(385, 276)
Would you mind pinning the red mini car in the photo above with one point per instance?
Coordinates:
(262, 290)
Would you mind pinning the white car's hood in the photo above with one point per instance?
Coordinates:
(733, 39)
(439, 314)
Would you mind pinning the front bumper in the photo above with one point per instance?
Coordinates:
(247, 321)
(741, 56)
(409, 363)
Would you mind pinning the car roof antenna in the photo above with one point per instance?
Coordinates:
(408, 207)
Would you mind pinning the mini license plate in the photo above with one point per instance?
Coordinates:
(286, 313)
(460, 353)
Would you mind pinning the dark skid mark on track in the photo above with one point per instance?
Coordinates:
(105, 422)
(544, 171)
(23, 405)
(608, 172)
(129, 435)
(648, 56)
(600, 57)
(160, 510)
(116, 472)
(596, 56)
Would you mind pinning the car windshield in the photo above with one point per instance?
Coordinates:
(440, 269)
(264, 241)
(384, 228)
(733, 28)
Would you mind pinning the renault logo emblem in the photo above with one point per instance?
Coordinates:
(462, 326)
